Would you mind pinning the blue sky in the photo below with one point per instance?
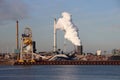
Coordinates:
(97, 20)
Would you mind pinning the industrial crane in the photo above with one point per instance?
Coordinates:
(26, 50)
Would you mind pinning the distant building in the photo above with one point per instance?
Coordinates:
(98, 52)
(116, 51)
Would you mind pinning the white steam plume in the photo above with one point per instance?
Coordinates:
(71, 31)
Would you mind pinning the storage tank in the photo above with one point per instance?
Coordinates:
(99, 52)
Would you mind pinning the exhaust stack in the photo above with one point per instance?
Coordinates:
(55, 44)
(17, 35)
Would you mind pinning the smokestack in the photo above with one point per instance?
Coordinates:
(80, 49)
(17, 35)
(65, 45)
(55, 45)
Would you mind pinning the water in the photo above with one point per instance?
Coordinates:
(60, 72)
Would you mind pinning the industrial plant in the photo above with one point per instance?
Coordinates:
(25, 52)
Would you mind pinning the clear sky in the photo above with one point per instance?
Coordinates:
(98, 22)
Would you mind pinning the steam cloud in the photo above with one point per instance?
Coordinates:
(12, 10)
(71, 31)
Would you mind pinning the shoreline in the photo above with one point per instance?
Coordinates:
(69, 63)
(112, 62)
(7, 62)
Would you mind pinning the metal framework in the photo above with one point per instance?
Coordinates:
(26, 52)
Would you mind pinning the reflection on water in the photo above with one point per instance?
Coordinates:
(60, 72)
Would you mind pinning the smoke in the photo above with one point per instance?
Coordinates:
(12, 10)
(71, 31)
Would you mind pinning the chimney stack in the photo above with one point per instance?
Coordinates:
(55, 43)
(17, 35)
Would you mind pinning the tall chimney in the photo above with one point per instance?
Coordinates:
(65, 45)
(17, 35)
(55, 44)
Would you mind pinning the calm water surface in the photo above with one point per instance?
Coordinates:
(60, 72)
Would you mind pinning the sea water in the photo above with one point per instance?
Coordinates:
(60, 72)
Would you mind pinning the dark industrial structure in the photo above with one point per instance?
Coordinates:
(80, 49)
